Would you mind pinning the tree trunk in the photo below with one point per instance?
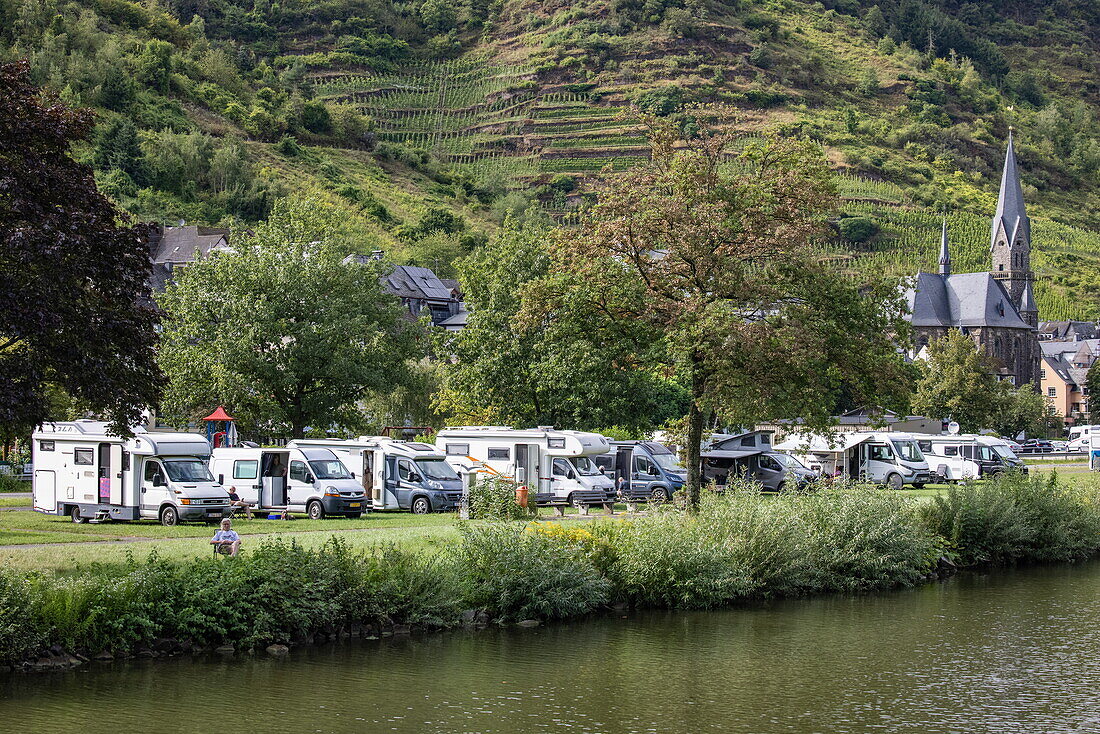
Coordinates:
(694, 438)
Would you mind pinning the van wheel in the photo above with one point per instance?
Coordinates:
(74, 514)
(315, 510)
(659, 495)
(169, 516)
(894, 481)
(421, 506)
(781, 488)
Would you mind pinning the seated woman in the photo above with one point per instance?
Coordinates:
(227, 539)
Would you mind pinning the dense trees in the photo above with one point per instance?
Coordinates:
(75, 311)
(283, 330)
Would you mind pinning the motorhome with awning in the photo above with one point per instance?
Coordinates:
(893, 459)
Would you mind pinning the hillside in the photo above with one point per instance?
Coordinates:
(429, 121)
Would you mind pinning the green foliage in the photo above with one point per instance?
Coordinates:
(857, 229)
(282, 329)
(957, 384)
(1016, 517)
(518, 574)
(494, 498)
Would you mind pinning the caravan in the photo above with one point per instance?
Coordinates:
(83, 471)
(893, 459)
(558, 466)
(313, 481)
(396, 475)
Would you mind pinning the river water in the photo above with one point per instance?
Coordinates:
(1012, 651)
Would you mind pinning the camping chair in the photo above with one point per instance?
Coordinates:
(236, 512)
(220, 549)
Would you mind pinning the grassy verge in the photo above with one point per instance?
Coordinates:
(8, 501)
(739, 546)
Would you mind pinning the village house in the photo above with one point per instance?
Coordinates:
(1063, 375)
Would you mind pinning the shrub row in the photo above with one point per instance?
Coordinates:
(739, 546)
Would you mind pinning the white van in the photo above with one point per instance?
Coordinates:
(309, 480)
(84, 472)
(558, 466)
(397, 475)
(889, 458)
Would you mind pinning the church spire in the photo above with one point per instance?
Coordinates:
(1027, 302)
(1011, 214)
(945, 255)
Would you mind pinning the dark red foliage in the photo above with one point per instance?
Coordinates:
(75, 305)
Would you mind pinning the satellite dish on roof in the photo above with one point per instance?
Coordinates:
(953, 428)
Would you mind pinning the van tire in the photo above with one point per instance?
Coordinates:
(659, 495)
(894, 482)
(315, 510)
(781, 488)
(421, 506)
(169, 517)
(75, 516)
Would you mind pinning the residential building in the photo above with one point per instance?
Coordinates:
(171, 248)
(997, 308)
(1063, 377)
(1071, 331)
(422, 292)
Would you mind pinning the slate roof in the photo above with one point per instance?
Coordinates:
(962, 300)
(187, 243)
(1011, 213)
(1069, 330)
(410, 281)
(458, 320)
(1066, 350)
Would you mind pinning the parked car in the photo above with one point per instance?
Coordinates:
(1060, 445)
(1037, 446)
(1013, 445)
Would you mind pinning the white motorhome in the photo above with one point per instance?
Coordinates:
(396, 475)
(309, 480)
(558, 466)
(84, 472)
(1076, 432)
(961, 457)
(889, 458)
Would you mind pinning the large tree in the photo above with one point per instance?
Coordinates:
(282, 330)
(571, 367)
(715, 253)
(75, 310)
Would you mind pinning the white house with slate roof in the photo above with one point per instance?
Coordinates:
(997, 308)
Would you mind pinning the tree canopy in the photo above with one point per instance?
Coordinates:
(719, 259)
(282, 330)
(76, 311)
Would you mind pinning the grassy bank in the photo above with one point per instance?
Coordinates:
(742, 546)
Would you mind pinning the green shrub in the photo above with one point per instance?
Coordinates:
(20, 633)
(516, 573)
(494, 498)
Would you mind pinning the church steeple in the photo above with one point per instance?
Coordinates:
(945, 255)
(1011, 221)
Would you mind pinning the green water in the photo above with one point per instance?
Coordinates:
(1014, 651)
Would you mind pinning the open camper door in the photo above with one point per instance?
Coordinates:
(624, 460)
(527, 470)
(109, 474)
(273, 477)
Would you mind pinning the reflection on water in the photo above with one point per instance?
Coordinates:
(1017, 651)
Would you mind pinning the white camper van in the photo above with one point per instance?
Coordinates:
(84, 472)
(558, 466)
(956, 458)
(893, 459)
(396, 475)
(310, 480)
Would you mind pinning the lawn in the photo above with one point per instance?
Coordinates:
(9, 501)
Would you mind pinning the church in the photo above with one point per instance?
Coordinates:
(996, 309)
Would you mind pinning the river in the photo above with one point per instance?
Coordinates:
(1011, 651)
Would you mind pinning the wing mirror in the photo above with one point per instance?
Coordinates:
(158, 480)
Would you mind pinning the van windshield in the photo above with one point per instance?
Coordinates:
(436, 469)
(585, 466)
(669, 462)
(329, 469)
(187, 470)
(789, 461)
(908, 450)
(1004, 452)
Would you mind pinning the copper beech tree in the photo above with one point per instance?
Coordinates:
(716, 253)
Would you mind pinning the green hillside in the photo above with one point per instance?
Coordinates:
(431, 121)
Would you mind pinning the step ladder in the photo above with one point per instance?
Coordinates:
(101, 516)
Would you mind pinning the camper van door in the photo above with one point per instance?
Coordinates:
(274, 466)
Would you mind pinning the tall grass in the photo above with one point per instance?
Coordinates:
(739, 546)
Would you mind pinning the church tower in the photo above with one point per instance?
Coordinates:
(1010, 241)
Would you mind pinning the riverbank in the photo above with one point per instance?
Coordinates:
(739, 547)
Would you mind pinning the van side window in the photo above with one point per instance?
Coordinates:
(246, 469)
(881, 453)
(642, 465)
(925, 446)
(458, 449)
(499, 454)
(561, 468)
(748, 441)
(767, 462)
(405, 470)
(152, 468)
(950, 450)
(765, 439)
(298, 471)
(82, 456)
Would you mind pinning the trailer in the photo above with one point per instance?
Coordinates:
(889, 458)
(558, 467)
(395, 474)
(83, 471)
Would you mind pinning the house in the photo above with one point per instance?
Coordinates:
(422, 292)
(996, 309)
(1068, 331)
(1064, 374)
(171, 248)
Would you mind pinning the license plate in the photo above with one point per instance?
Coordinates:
(355, 504)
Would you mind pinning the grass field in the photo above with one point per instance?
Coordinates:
(9, 501)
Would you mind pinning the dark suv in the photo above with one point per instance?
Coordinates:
(1037, 446)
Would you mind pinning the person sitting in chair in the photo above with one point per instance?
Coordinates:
(236, 501)
(227, 539)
